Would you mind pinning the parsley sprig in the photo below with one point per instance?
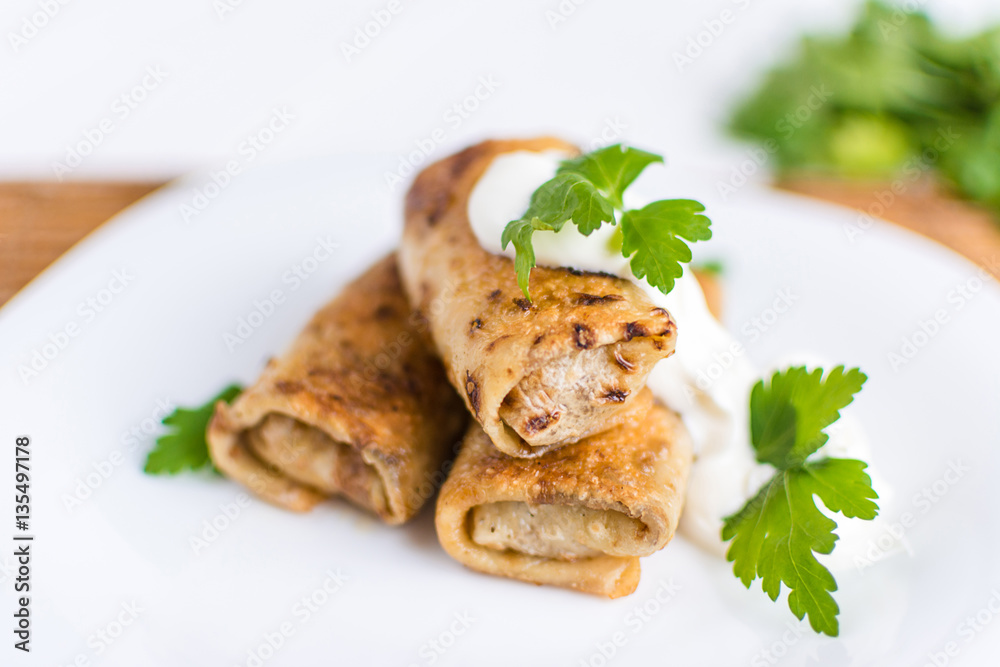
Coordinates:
(184, 446)
(587, 191)
(895, 96)
(778, 532)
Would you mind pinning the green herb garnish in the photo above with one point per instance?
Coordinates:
(894, 98)
(184, 446)
(776, 534)
(714, 267)
(588, 191)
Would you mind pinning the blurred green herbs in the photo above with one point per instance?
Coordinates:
(895, 97)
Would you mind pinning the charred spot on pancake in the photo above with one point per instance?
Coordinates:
(385, 312)
(539, 339)
(540, 423)
(598, 274)
(392, 383)
(472, 391)
(441, 204)
(427, 198)
(615, 395)
(494, 295)
(584, 299)
(475, 324)
(584, 336)
(493, 343)
(523, 304)
(461, 161)
(635, 330)
(623, 362)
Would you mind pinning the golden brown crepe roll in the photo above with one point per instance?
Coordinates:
(538, 374)
(358, 406)
(579, 517)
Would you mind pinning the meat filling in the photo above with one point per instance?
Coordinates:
(309, 456)
(561, 532)
(576, 395)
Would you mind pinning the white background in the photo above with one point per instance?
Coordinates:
(163, 338)
(227, 70)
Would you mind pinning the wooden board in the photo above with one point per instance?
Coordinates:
(40, 221)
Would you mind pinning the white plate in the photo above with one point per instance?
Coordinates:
(162, 339)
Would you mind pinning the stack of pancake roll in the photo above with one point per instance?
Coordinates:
(568, 471)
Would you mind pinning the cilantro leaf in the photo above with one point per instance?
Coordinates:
(843, 486)
(184, 447)
(566, 197)
(652, 235)
(776, 534)
(569, 196)
(519, 233)
(788, 416)
(588, 191)
(774, 537)
(611, 169)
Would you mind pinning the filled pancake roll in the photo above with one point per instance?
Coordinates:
(535, 374)
(579, 517)
(359, 407)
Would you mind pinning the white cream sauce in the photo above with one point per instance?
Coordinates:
(714, 405)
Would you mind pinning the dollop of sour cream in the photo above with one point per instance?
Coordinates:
(714, 406)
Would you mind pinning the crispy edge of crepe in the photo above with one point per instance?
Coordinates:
(363, 373)
(639, 469)
(488, 335)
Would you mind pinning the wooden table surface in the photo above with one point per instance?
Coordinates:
(39, 221)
